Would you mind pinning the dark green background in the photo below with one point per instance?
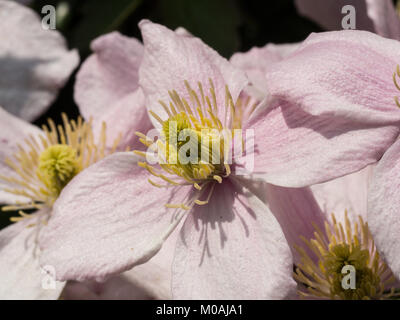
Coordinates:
(226, 25)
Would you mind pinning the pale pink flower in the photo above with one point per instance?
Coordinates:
(344, 240)
(34, 63)
(34, 167)
(234, 239)
(350, 75)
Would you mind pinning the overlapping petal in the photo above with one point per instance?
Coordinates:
(345, 194)
(108, 219)
(335, 95)
(233, 248)
(347, 74)
(294, 149)
(384, 207)
(109, 74)
(151, 280)
(107, 89)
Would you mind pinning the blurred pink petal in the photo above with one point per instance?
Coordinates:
(21, 275)
(35, 63)
(13, 132)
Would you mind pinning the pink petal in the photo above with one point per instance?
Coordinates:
(328, 13)
(385, 18)
(348, 193)
(384, 207)
(108, 219)
(232, 248)
(296, 149)
(34, 62)
(127, 116)
(13, 132)
(107, 89)
(346, 73)
(151, 280)
(181, 31)
(296, 210)
(256, 63)
(21, 275)
(170, 59)
(283, 49)
(108, 75)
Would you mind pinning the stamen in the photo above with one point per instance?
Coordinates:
(46, 163)
(198, 116)
(218, 178)
(337, 246)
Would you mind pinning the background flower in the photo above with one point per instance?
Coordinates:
(34, 63)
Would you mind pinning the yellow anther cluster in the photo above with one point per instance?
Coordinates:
(320, 272)
(44, 164)
(195, 125)
(58, 164)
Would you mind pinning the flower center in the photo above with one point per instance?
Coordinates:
(193, 149)
(58, 164)
(45, 164)
(366, 278)
(196, 142)
(322, 273)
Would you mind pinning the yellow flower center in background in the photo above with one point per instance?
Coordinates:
(58, 164)
(321, 274)
(45, 164)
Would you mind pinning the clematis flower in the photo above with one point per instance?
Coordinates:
(344, 240)
(234, 239)
(379, 16)
(352, 75)
(34, 63)
(334, 247)
(35, 166)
